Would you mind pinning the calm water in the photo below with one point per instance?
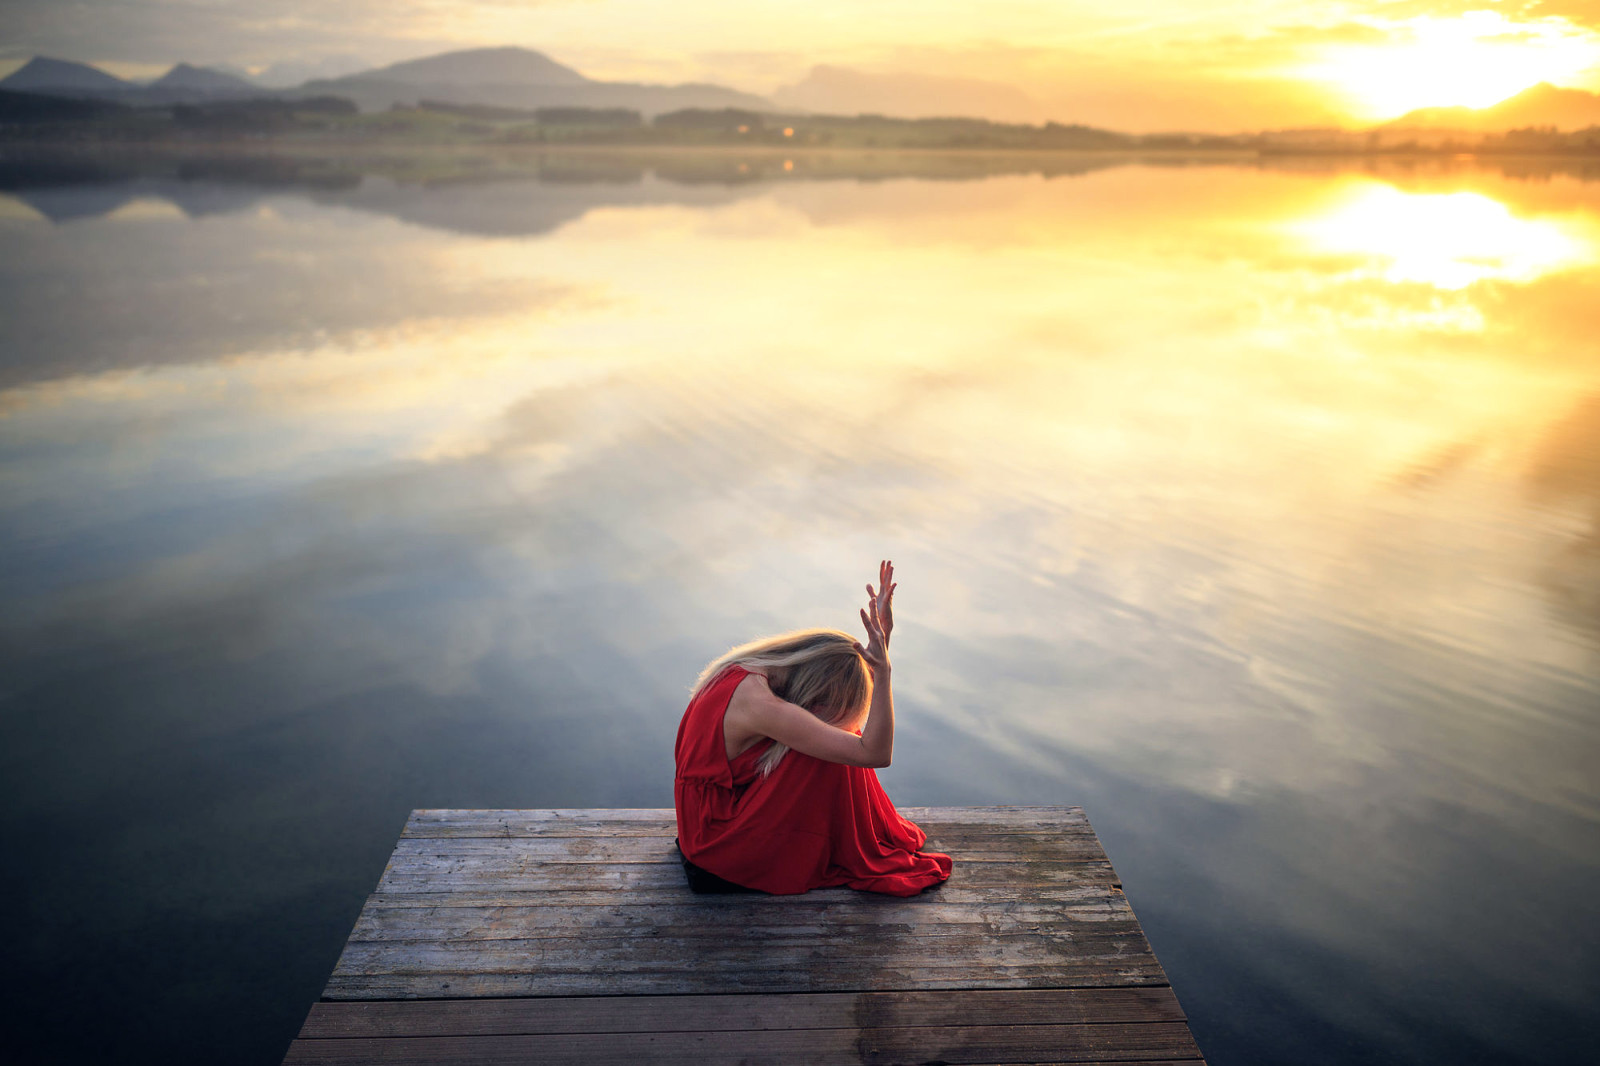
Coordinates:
(1255, 509)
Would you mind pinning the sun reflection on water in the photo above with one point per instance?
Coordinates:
(1446, 240)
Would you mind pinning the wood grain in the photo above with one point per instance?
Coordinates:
(413, 873)
(572, 936)
(749, 916)
(953, 1044)
(635, 981)
(670, 1014)
(1076, 845)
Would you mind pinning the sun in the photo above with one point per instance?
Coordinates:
(1474, 60)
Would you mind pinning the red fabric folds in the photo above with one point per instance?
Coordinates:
(809, 824)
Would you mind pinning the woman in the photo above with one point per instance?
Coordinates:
(775, 785)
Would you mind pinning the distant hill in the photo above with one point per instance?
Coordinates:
(516, 78)
(476, 66)
(42, 74)
(1542, 105)
(843, 91)
(184, 83)
(187, 78)
(288, 73)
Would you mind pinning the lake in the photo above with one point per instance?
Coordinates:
(1253, 506)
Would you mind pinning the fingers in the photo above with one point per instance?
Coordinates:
(874, 630)
(876, 615)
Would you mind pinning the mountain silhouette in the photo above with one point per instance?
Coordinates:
(43, 74)
(1542, 105)
(515, 77)
(477, 66)
(190, 78)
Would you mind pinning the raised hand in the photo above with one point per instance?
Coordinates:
(878, 618)
(882, 601)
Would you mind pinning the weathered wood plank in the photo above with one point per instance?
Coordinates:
(820, 918)
(670, 1014)
(571, 935)
(1070, 843)
(674, 890)
(950, 822)
(1133, 971)
(312, 1053)
(602, 836)
(1084, 946)
(949, 1044)
(427, 874)
(508, 856)
(954, 832)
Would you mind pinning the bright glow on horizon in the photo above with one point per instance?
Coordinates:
(1140, 66)
(1475, 60)
(1447, 240)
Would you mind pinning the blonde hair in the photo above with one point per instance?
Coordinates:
(819, 669)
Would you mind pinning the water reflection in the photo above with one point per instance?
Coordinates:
(1447, 240)
(358, 496)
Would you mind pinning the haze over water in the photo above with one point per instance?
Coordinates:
(1255, 510)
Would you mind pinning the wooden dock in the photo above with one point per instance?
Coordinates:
(558, 936)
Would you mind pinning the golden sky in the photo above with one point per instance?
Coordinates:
(1137, 65)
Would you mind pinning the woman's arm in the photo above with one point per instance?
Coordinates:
(760, 712)
(878, 616)
(765, 714)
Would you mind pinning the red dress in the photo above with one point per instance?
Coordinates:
(809, 824)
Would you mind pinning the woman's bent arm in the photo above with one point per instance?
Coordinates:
(765, 714)
(756, 711)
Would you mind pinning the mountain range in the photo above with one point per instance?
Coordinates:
(501, 77)
(1542, 105)
(519, 78)
(182, 84)
(523, 78)
(62, 77)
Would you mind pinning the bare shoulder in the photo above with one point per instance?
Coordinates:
(748, 709)
(753, 688)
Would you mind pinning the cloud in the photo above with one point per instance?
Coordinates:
(1585, 13)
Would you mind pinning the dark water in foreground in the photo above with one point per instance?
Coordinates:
(1256, 510)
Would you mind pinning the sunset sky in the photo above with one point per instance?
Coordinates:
(1137, 65)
